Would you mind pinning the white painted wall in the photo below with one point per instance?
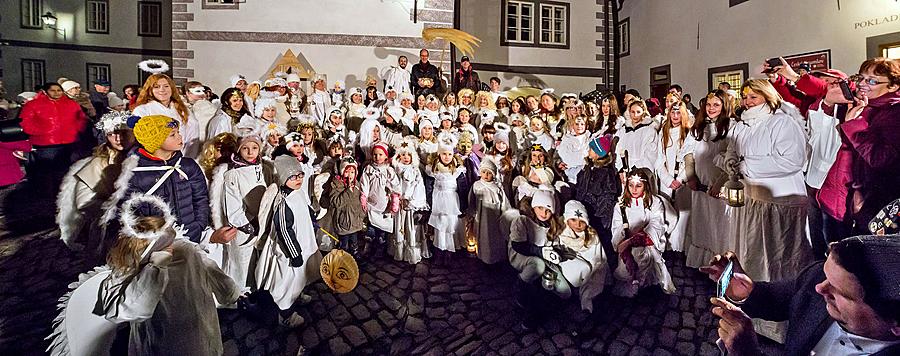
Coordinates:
(665, 32)
(482, 18)
(215, 61)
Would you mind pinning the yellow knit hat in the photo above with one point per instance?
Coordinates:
(151, 131)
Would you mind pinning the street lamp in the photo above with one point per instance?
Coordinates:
(50, 21)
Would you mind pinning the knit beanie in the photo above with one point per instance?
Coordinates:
(543, 198)
(874, 261)
(69, 84)
(575, 210)
(286, 167)
(601, 145)
(151, 131)
(488, 165)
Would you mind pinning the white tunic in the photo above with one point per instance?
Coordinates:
(190, 131)
(670, 166)
(572, 150)
(488, 201)
(376, 184)
(222, 122)
(824, 141)
(319, 102)
(640, 142)
(398, 79)
(709, 224)
(243, 190)
(409, 242)
(651, 265)
(589, 270)
(445, 210)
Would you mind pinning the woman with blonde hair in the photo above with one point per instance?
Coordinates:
(216, 151)
(159, 96)
(676, 146)
(768, 149)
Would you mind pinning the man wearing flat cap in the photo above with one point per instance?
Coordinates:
(100, 97)
(847, 305)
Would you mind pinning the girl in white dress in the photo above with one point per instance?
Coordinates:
(355, 106)
(409, 242)
(445, 167)
(378, 184)
(638, 137)
(573, 149)
(709, 225)
(539, 134)
(637, 234)
(675, 144)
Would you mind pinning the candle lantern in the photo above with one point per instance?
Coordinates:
(734, 192)
(471, 244)
(548, 279)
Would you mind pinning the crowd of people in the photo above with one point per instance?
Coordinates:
(579, 196)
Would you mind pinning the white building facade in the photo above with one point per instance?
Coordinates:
(699, 43)
(91, 39)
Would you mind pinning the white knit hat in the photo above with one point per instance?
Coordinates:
(293, 78)
(235, 79)
(488, 165)
(69, 84)
(543, 198)
(575, 210)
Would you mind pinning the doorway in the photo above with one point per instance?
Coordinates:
(660, 80)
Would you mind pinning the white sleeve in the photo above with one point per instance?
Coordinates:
(234, 202)
(665, 178)
(655, 228)
(618, 230)
(142, 295)
(786, 156)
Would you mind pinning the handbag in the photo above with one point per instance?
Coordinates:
(11, 130)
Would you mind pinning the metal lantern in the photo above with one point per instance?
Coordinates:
(734, 192)
(548, 279)
(471, 245)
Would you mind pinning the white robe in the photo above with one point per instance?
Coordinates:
(243, 188)
(376, 184)
(709, 224)
(572, 150)
(409, 243)
(640, 144)
(680, 200)
(488, 201)
(319, 102)
(589, 270)
(190, 131)
(651, 265)
(203, 111)
(770, 230)
(445, 210)
(397, 78)
(274, 272)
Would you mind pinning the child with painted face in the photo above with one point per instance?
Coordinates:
(446, 169)
(409, 243)
(637, 231)
(378, 185)
(487, 202)
(288, 258)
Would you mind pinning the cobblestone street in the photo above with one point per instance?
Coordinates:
(396, 309)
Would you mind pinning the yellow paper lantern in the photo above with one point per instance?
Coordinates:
(339, 271)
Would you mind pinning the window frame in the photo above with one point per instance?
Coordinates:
(623, 38)
(552, 30)
(712, 72)
(43, 79)
(39, 22)
(536, 29)
(87, 67)
(220, 5)
(88, 17)
(140, 22)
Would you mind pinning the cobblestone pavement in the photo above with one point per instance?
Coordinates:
(397, 309)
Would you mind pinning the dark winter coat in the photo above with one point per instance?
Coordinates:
(599, 189)
(466, 80)
(188, 198)
(425, 70)
(345, 214)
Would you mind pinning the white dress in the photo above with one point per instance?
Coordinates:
(397, 78)
(274, 272)
(651, 265)
(319, 102)
(243, 191)
(488, 200)
(572, 150)
(376, 184)
(409, 243)
(589, 270)
(770, 230)
(190, 131)
(640, 142)
(670, 166)
(445, 210)
(172, 303)
(709, 225)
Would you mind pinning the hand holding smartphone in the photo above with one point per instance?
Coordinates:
(725, 279)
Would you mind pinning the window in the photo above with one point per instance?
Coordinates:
(891, 51)
(150, 19)
(737, 2)
(519, 23)
(97, 16)
(519, 16)
(734, 75)
(553, 24)
(33, 73)
(97, 71)
(31, 13)
(221, 4)
(624, 39)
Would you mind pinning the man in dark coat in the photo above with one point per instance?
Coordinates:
(425, 70)
(849, 304)
(100, 98)
(466, 77)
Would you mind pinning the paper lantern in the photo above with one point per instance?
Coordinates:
(339, 271)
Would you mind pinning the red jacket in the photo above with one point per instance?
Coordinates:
(806, 91)
(52, 122)
(10, 169)
(867, 164)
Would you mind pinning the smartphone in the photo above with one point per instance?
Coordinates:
(773, 62)
(725, 279)
(845, 89)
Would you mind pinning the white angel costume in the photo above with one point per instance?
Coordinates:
(409, 243)
(376, 184)
(572, 151)
(488, 201)
(670, 166)
(651, 265)
(710, 225)
(445, 209)
(640, 142)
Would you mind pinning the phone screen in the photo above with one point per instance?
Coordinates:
(725, 280)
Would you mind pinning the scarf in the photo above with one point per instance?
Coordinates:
(756, 114)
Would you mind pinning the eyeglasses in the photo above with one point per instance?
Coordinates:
(870, 81)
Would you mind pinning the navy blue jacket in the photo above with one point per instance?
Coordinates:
(188, 198)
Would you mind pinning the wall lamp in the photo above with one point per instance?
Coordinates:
(50, 21)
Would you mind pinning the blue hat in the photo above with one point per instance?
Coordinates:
(601, 145)
(102, 82)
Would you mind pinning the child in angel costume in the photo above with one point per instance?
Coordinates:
(487, 202)
(289, 258)
(637, 234)
(573, 148)
(161, 284)
(446, 168)
(535, 175)
(409, 242)
(584, 264)
(379, 183)
(235, 194)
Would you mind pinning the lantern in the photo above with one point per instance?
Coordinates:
(339, 271)
(548, 279)
(734, 192)
(471, 245)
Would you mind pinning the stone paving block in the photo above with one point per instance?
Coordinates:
(354, 335)
(548, 347)
(562, 341)
(309, 337)
(373, 329)
(338, 346)
(360, 312)
(685, 348)
(326, 328)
